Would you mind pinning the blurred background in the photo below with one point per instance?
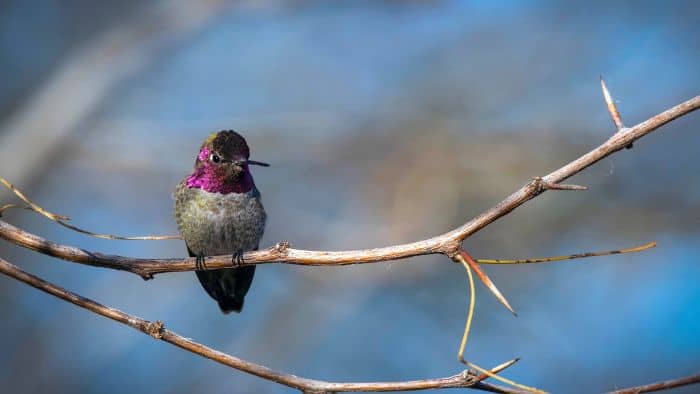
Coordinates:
(385, 122)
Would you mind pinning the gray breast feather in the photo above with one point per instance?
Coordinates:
(214, 224)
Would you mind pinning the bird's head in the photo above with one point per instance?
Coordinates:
(222, 164)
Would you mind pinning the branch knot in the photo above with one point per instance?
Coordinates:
(154, 329)
(145, 275)
(541, 185)
(281, 247)
(538, 184)
(468, 376)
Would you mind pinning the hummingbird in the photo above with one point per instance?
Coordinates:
(218, 211)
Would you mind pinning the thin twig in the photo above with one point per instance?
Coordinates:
(470, 311)
(467, 328)
(498, 368)
(447, 243)
(568, 257)
(60, 219)
(7, 207)
(658, 386)
(557, 186)
(33, 206)
(157, 331)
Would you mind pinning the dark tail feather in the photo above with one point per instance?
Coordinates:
(231, 304)
(227, 286)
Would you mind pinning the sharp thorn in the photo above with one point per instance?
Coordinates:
(487, 281)
(612, 108)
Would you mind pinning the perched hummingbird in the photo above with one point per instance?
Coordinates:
(218, 211)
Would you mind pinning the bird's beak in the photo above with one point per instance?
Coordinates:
(257, 163)
(240, 163)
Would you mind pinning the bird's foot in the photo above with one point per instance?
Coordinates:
(237, 258)
(199, 263)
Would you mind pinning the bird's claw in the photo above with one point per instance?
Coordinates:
(199, 263)
(237, 258)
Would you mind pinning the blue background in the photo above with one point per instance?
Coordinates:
(385, 122)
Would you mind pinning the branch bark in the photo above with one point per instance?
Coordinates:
(447, 243)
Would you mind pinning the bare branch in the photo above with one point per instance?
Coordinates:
(658, 386)
(447, 243)
(157, 331)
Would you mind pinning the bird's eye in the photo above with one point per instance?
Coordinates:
(214, 158)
